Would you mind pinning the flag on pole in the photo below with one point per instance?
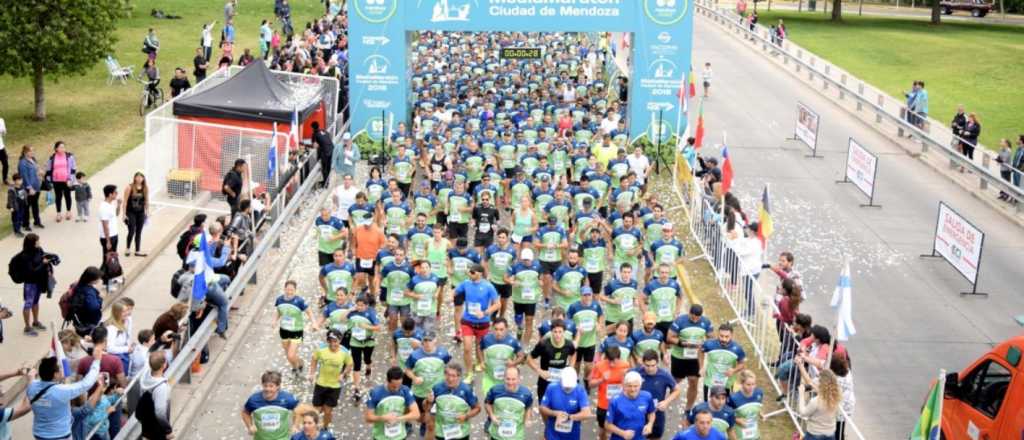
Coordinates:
(929, 425)
(295, 126)
(693, 83)
(699, 136)
(765, 226)
(202, 269)
(57, 350)
(272, 154)
(842, 301)
(726, 170)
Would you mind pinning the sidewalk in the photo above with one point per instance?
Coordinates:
(78, 246)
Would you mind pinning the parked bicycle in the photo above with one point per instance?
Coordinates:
(152, 94)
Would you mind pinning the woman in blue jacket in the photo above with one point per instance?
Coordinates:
(86, 302)
(29, 171)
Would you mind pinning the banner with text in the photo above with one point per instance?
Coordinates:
(807, 126)
(378, 62)
(959, 242)
(861, 168)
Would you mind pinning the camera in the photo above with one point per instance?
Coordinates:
(52, 259)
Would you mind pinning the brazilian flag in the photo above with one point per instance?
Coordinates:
(929, 425)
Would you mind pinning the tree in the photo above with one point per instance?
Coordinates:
(936, 12)
(837, 10)
(55, 38)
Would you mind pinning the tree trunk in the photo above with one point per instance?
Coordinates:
(37, 85)
(837, 10)
(936, 12)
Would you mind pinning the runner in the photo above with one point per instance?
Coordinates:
(723, 358)
(508, 408)
(686, 336)
(569, 279)
(480, 300)
(424, 202)
(564, 407)
(621, 339)
(267, 414)
(403, 168)
(701, 429)
(425, 290)
(663, 297)
(331, 234)
(554, 354)
(363, 323)
(425, 367)
(746, 403)
(501, 352)
(367, 240)
(391, 407)
(552, 243)
(437, 255)
(383, 258)
(524, 277)
(627, 240)
(395, 277)
(459, 211)
(333, 363)
(361, 210)
(589, 319)
(557, 314)
(397, 214)
(405, 341)
(419, 236)
(291, 319)
(310, 429)
(647, 338)
(336, 275)
(663, 388)
(499, 257)
(619, 298)
(485, 217)
(607, 376)
(666, 250)
(452, 404)
(631, 415)
(335, 315)
(722, 417)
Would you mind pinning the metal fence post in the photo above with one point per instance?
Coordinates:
(860, 96)
(881, 103)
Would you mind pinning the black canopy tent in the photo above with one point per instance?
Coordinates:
(254, 94)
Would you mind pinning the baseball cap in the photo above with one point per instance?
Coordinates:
(333, 334)
(346, 136)
(527, 254)
(719, 390)
(586, 290)
(569, 378)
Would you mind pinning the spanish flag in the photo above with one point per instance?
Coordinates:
(765, 227)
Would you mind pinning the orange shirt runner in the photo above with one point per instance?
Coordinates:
(368, 240)
(611, 376)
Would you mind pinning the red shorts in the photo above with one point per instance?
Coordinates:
(478, 332)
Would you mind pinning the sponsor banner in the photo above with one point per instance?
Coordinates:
(807, 126)
(959, 242)
(861, 168)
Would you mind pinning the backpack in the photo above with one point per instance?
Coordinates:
(145, 413)
(111, 266)
(67, 304)
(184, 245)
(16, 269)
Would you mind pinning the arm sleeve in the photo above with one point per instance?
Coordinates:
(72, 390)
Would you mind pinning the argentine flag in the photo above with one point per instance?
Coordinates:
(202, 268)
(842, 301)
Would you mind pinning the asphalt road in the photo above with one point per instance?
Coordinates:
(910, 317)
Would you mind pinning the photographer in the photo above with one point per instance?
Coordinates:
(32, 267)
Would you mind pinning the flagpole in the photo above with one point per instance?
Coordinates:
(679, 115)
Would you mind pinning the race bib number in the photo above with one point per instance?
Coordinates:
(395, 296)
(587, 325)
(718, 380)
(499, 371)
(337, 284)
(665, 311)
(270, 421)
(423, 305)
(404, 352)
(452, 431)
(461, 265)
(749, 432)
(627, 242)
(365, 264)
(502, 260)
(529, 294)
(556, 374)
(393, 430)
(359, 333)
(593, 266)
(508, 428)
(690, 353)
(666, 258)
(288, 322)
(626, 304)
(474, 308)
(485, 227)
(613, 391)
(563, 426)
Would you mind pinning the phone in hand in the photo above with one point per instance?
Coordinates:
(106, 377)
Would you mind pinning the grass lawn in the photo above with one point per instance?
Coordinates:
(99, 122)
(977, 65)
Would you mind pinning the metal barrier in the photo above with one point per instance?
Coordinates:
(284, 208)
(886, 110)
(754, 308)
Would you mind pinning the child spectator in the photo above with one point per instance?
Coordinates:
(102, 406)
(140, 354)
(83, 194)
(17, 203)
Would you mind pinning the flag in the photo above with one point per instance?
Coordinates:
(699, 136)
(681, 93)
(842, 301)
(693, 83)
(929, 425)
(765, 226)
(294, 132)
(57, 350)
(272, 155)
(726, 170)
(202, 269)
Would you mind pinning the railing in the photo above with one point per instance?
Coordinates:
(283, 208)
(753, 308)
(890, 114)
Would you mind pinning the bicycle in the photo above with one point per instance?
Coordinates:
(152, 94)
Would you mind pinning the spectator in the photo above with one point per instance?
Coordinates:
(911, 105)
(109, 363)
(103, 404)
(206, 46)
(841, 368)
(140, 352)
(151, 45)
(180, 81)
(821, 411)
(136, 210)
(785, 269)
(969, 140)
(87, 302)
(167, 326)
(119, 333)
(108, 216)
(60, 171)
(51, 398)
(72, 345)
(233, 182)
(17, 204)
(9, 414)
(788, 306)
(921, 105)
(229, 11)
(957, 126)
(3, 153)
(1018, 164)
(29, 171)
(33, 266)
(200, 63)
(266, 34)
(246, 58)
(1005, 166)
(83, 195)
(347, 156)
(324, 150)
(154, 407)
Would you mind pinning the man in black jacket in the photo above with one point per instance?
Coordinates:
(324, 151)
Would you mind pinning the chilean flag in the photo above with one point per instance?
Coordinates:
(57, 350)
